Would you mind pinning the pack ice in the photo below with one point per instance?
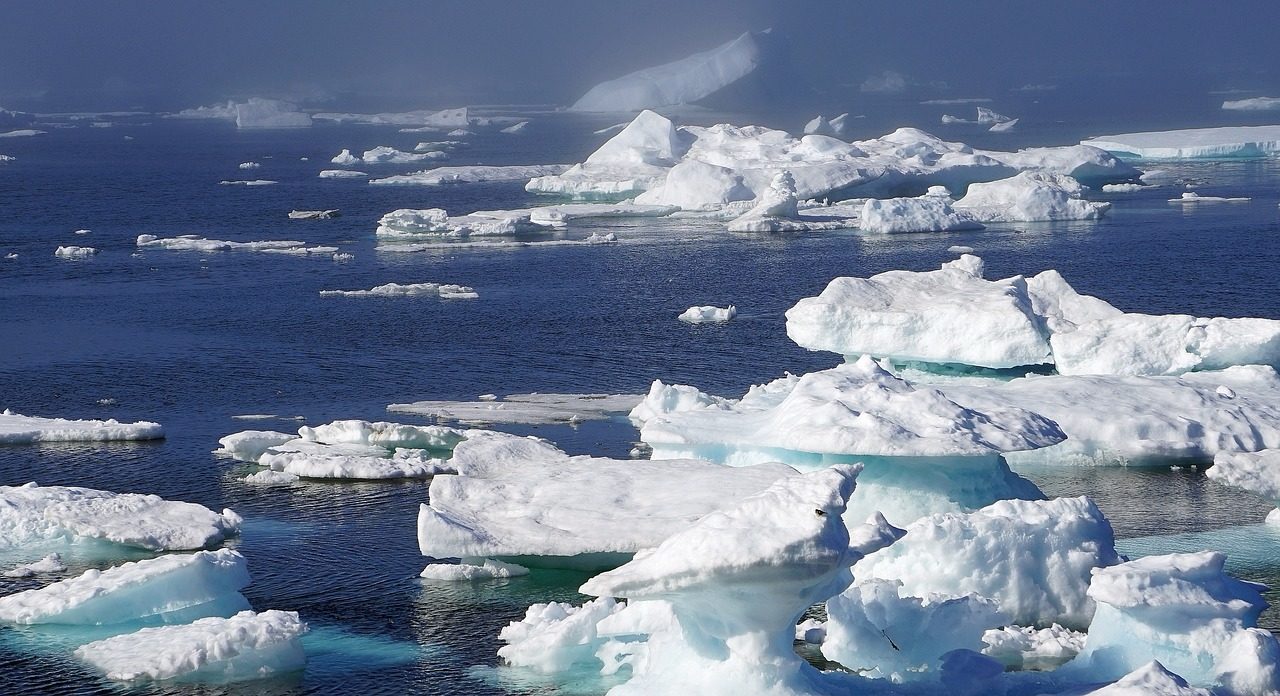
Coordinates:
(19, 429)
(1193, 143)
(248, 645)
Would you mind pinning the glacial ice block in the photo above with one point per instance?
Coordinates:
(707, 314)
(469, 174)
(31, 514)
(517, 497)
(945, 316)
(923, 453)
(1029, 197)
(16, 429)
(932, 212)
(248, 445)
(1033, 558)
(1258, 472)
(1193, 143)
(248, 645)
(167, 588)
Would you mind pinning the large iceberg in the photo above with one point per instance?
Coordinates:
(167, 589)
(522, 497)
(253, 113)
(932, 212)
(684, 81)
(17, 429)
(245, 646)
(922, 452)
(33, 514)
(1029, 197)
(1252, 104)
(1193, 143)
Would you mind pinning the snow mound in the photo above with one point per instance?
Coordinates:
(524, 408)
(708, 314)
(1194, 143)
(248, 645)
(16, 429)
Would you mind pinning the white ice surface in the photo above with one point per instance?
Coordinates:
(708, 314)
(471, 174)
(486, 569)
(74, 252)
(19, 429)
(1252, 104)
(1194, 143)
(445, 290)
(531, 409)
(191, 242)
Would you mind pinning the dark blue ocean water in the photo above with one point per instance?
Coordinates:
(191, 339)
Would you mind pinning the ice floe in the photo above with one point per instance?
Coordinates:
(467, 174)
(247, 182)
(1123, 188)
(446, 291)
(74, 252)
(1252, 104)
(516, 128)
(248, 445)
(524, 408)
(49, 564)
(1258, 472)
(407, 223)
(313, 214)
(22, 133)
(389, 155)
(19, 429)
(1029, 197)
(1194, 143)
(166, 589)
(191, 242)
(245, 646)
(486, 569)
(708, 314)
(519, 497)
(1193, 197)
(341, 174)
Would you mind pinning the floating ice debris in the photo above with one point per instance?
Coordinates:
(1194, 143)
(389, 155)
(428, 120)
(486, 569)
(8, 158)
(516, 127)
(22, 133)
(985, 116)
(313, 214)
(1123, 188)
(1033, 558)
(408, 223)
(248, 445)
(821, 126)
(81, 232)
(1029, 197)
(1254, 104)
(191, 242)
(524, 408)
(923, 452)
(557, 636)
(1193, 197)
(74, 252)
(459, 133)
(32, 514)
(250, 182)
(1258, 472)
(342, 257)
(708, 314)
(345, 158)
(19, 429)
(163, 588)
(267, 477)
(437, 145)
(250, 165)
(1028, 648)
(684, 81)
(595, 238)
(670, 398)
(448, 292)
(11, 255)
(1185, 612)
(1003, 126)
(517, 497)
(959, 249)
(246, 646)
(471, 174)
(932, 212)
(341, 174)
(49, 564)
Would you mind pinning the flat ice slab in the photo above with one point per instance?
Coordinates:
(444, 290)
(1193, 143)
(245, 646)
(534, 409)
(471, 174)
(31, 514)
(708, 314)
(19, 429)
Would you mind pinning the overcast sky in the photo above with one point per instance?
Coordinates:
(400, 54)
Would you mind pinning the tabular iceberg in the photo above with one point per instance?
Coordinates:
(1194, 143)
(245, 646)
(19, 429)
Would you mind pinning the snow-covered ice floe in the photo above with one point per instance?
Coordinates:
(708, 314)
(33, 514)
(313, 214)
(349, 449)
(389, 155)
(247, 182)
(245, 646)
(16, 429)
(166, 589)
(192, 242)
(74, 252)
(410, 224)
(532, 409)
(341, 174)
(468, 174)
(1193, 197)
(923, 453)
(443, 290)
(516, 498)
(1193, 143)
(1257, 472)
(473, 569)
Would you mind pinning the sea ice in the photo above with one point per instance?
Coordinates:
(18, 429)
(1254, 104)
(1029, 197)
(245, 646)
(345, 158)
(341, 174)
(191, 242)
(313, 214)
(446, 291)
(532, 409)
(486, 569)
(247, 182)
(425, 119)
(820, 125)
(248, 445)
(22, 133)
(1193, 197)
(1194, 143)
(407, 223)
(49, 564)
(516, 127)
(270, 113)
(1151, 679)
(166, 588)
(471, 174)
(74, 252)
(1258, 472)
(389, 155)
(1027, 648)
(1123, 188)
(932, 212)
(708, 314)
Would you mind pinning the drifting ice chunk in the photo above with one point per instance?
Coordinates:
(1193, 197)
(177, 586)
(1254, 104)
(49, 564)
(250, 165)
(345, 158)
(708, 314)
(554, 637)
(663, 399)
(341, 174)
(452, 292)
(1123, 188)
(248, 445)
(1258, 472)
(407, 223)
(873, 630)
(16, 429)
(1194, 143)
(191, 242)
(313, 214)
(943, 316)
(1003, 126)
(389, 155)
(922, 452)
(524, 408)
(1184, 611)
(31, 513)
(932, 212)
(22, 133)
(487, 569)
(250, 182)
(1029, 197)
(1026, 648)
(775, 211)
(516, 127)
(471, 174)
(1033, 558)
(270, 113)
(246, 646)
(518, 496)
(684, 81)
(74, 252)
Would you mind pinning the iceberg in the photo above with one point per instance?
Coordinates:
(922, 452)
(1193, 197)
(49, 564)
(1257, 472)
(313, 214)
(389, 155)
(684, 81)
(167, 589)
(820, 125)
(471, 174)
(932, 212)
(17, 429)
(631, 162)
(1193, 143)
(517, 497)
(1253, 104)
(486, 569)
(1029, 197)
(345, 158)
(708, 314)
(341, 174)
(445, 291)
(531, 409)
(1003, 126)
(270, 113)
(74, 252)
(249, 165)
(407, 223)
(1033, 558)
(247, 645)
(191, 242)
(31, 514)
(516, 128)
(426, 119)
(1027, 648)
